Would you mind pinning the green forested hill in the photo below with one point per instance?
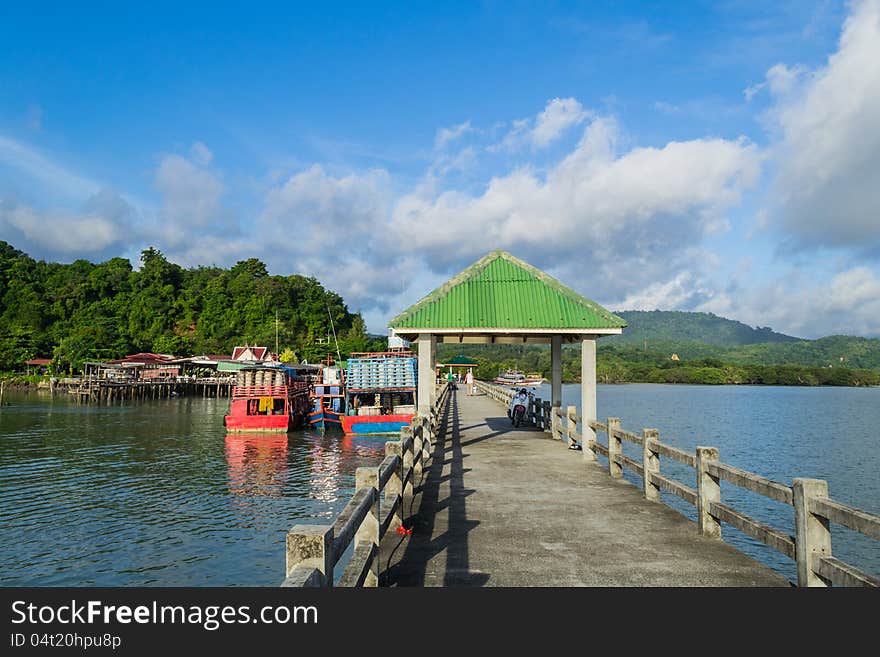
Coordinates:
(727, 357)
(84, 311)
(665, 326)
(834, 350)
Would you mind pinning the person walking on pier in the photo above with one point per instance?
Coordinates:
(469, 382)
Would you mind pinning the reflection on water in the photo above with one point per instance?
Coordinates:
(257, 463)
(158, 493)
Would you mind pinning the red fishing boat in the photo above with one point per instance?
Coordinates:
(268, 399)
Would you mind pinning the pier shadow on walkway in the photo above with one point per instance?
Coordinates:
(505, 506)
(436, 554)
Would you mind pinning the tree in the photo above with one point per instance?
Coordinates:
(288, 355)
(86, 311)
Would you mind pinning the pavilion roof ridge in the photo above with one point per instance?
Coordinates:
(550, 294)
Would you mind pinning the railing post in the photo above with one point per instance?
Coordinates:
(417, 433)
(548, 419)
(615, 447)
(587, 442)
(708, 491)
(650, 464)
(812, 532)
(311, 546)
(425, 423)
(405, 435)
(369, 529)
(571, 425)
(558, 433)
(538, 420)
(427, 440)
(394, 486)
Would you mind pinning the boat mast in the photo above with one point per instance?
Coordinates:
(338, 356)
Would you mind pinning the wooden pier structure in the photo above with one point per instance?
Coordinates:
(465, 499)
(93, 389)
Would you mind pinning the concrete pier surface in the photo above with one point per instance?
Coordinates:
(499, 506)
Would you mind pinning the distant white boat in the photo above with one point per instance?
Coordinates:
(516, 378)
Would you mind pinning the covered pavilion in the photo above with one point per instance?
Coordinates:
(460, 362)
(502, 300)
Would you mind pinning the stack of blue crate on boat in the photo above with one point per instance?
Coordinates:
(381, 373)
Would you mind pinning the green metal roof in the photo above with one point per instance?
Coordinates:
(500, 291)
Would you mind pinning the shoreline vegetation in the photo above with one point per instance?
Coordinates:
(83, 311)
(620, 374)
(630, 364)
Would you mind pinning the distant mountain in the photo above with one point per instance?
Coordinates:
(833, 351)
(675, 326)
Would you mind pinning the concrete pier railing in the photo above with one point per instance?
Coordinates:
(381, 496)
(813, 509)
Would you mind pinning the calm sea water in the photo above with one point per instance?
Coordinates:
(777, 432)
(158, 494)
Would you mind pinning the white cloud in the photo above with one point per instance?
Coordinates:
(752, 90)
(796, 304)
(828, 155)
(190, 197)
(337, 225)
(558, 116)
(37, 166)
(621, 220)
(201, 154)
(666, 108)
(782, 80)
(682, 291)
(447, 135)
(106, 220)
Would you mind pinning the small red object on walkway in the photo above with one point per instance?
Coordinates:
(404, 530)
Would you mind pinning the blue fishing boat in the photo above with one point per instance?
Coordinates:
(327, 397)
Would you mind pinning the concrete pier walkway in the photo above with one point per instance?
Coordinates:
(500, 506)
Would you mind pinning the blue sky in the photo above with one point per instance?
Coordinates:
(708, 156)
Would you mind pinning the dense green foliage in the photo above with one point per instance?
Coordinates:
(84, 311)
(626, 363)
(834, 351)
(697, 364)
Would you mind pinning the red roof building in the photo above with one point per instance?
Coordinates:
(252, 353)
(144, 358)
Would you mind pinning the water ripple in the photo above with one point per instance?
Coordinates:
(157, 494)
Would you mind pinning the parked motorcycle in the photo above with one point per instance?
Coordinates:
(518, 406)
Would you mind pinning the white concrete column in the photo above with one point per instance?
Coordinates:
(556, 371)
(427, 346)
(588, 391)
